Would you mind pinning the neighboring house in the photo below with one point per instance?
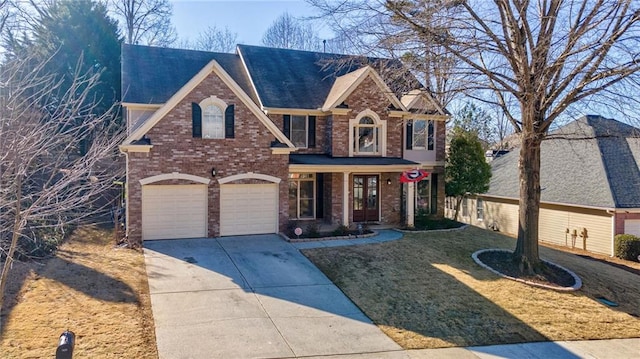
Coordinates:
(234, 144)
(590, 186)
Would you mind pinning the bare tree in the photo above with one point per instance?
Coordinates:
(287, 32)
(536, 61)
(57, 158)
(216, 40)
(146, 22)
(369, 29)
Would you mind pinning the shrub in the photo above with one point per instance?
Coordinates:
(313, 230)
(341, 230)
(627, 247)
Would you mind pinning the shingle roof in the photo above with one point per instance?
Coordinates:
(151, 75)
(283, 78)
(592, 161)
(315, 159)
(286, 78)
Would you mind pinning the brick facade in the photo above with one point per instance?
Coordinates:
(175, 150)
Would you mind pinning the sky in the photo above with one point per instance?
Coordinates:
(248, 18)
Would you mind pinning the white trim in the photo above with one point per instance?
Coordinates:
(293, 111)
(141, 106)
(246, 71)
(345, 199)
(380, 124)
(135, 148)
(249, 175)
(366, 71)
(211, 67)
(213, 100)
(173, 176)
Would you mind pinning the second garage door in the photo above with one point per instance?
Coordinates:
(248, 209)
(174, 211)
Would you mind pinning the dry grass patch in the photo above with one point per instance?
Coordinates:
(89, 287)
(425, 291)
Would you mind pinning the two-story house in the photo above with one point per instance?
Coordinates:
(234, 144)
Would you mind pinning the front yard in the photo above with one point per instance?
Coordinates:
(90, 288)
(425, 291)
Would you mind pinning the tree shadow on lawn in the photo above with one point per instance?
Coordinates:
(425, 291)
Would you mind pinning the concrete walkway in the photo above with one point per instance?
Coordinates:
(259, 297)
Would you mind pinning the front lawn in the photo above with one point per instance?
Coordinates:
(425, 291)
(90, 288)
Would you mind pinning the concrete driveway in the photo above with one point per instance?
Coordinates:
(252, 297)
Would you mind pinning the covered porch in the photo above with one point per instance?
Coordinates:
(346, 190)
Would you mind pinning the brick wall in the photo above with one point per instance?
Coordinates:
(175, 150)
(621, 217)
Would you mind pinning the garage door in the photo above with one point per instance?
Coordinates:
(248, 209)
(174, 211)
(632, 226)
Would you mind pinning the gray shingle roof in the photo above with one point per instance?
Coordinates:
(153, 74)
(592, 161)
(287, 78)
(314, 159)
(283, 78)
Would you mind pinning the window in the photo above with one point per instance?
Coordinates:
(300, 129)
(301, 196)
(212, 118)
(420, 135)
(465, 207)
(423, 196)
(366, 137)
(212, 122)
(479, 209)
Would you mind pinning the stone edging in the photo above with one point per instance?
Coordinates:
(432, 230)
(333, 238)
(577, 281)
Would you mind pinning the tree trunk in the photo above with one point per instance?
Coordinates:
(526, 252)
(458, 201)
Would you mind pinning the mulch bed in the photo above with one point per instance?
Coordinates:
(503, 262)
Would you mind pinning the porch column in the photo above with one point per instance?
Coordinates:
(345, 198)
(411, 206)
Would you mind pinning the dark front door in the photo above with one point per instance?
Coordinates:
(365, 198)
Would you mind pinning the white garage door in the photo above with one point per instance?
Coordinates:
(632, 226)
(174, 211)
(248, 209)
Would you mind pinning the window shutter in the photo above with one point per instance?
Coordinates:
(312, 132)
(229, 121)
(196, 120)
(409, 134)
(286, 125)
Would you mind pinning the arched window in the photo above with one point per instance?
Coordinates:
(212, 122)
(366, 135)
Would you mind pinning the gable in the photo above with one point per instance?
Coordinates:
(345, 85)
(211, 69)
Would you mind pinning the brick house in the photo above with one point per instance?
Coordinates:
(235, 144)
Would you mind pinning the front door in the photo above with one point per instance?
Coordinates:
(365, 198)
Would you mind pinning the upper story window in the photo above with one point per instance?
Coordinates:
(212, 122)
(212, 118)
(421, 135)
(300, 129)
(367, 135)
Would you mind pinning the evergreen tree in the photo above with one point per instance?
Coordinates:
(75, 37)
(466, 169)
